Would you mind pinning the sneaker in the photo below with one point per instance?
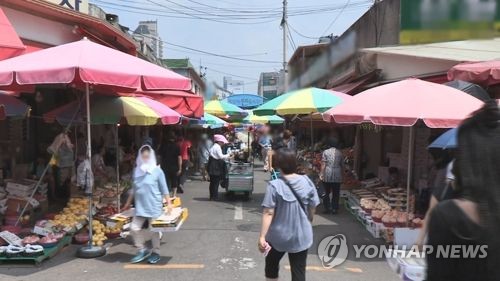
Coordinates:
(140, 256)
(180, 190)
(154, 258)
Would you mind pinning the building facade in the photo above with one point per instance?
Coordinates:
(329, 64)
(270, 84)
(149, 39)
(233, 86)
(186, 69)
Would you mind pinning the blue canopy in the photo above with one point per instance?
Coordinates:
(446, 140)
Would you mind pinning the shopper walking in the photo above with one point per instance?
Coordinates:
(473, 219)
(265, 144)
(331, 176)
(216, 166)
(171, 162)
(289, 206)
(204, 153)
(184, 146)
(149, 191)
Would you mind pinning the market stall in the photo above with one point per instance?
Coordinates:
(83, 64)
(380, 205)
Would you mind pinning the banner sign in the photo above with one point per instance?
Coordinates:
(81, 6)
(428, 21)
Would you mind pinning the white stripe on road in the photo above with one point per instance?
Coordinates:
(238, 211)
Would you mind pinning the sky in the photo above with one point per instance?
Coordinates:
(247, 31)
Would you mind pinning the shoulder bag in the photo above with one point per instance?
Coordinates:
(295, 194)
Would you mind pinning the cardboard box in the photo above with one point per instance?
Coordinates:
(171, 222)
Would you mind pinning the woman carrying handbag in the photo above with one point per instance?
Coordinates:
(289, 206)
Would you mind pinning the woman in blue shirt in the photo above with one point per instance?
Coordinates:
(149, 191)
(289, 206)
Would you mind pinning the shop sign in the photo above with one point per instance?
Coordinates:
(245, 100)
(428, 21)
(81, 6)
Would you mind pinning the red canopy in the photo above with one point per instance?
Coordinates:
(10, 43)
(186, 103)
(403, 103)
(486, 72)
(88, 62)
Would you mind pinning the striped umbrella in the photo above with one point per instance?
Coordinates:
(213, 121)
(266, 119)
(303, 101)
(223, 109)
(12, 107)
(136, 111)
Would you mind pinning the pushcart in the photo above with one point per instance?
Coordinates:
(240, 178)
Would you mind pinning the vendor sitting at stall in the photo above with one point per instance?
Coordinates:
(102, 173)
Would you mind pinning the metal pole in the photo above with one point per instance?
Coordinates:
(117, 167)
(312, 136)
(411, 147)
(89, 138)
(284, 23)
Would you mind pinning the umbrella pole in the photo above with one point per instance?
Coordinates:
(89, 251)
(411, 147)
(118, 203)
(312, 136)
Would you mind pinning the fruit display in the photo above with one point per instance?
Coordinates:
(395, 218)
(113, 232)
(106, 211)
(417, 222)
(32, 239)
(99, 233)
(48, 242)
(73, 215)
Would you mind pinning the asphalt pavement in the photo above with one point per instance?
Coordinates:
(218, 242)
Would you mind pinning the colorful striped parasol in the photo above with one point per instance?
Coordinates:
(266, 119)
(223, 109)
(136, 111)
(303, 101)
(213, 121)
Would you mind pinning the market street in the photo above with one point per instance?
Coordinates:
(218, 242)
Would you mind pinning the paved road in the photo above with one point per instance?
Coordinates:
(218, 242)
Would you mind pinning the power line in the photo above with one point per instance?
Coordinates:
(337, 17)
(209, 53)
(191, 15)
(300, 34)
(231, 74)
(218, 14)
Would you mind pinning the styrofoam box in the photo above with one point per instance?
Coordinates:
(405, 236)
(20, 185)
(413, 269)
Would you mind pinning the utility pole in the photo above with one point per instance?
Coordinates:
(284, 25)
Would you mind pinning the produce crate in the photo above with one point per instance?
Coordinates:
(47, 253)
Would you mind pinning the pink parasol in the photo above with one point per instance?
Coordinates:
(486, 72)
(85, 63)
(89, 63)
(405, 102)
(10, 43)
